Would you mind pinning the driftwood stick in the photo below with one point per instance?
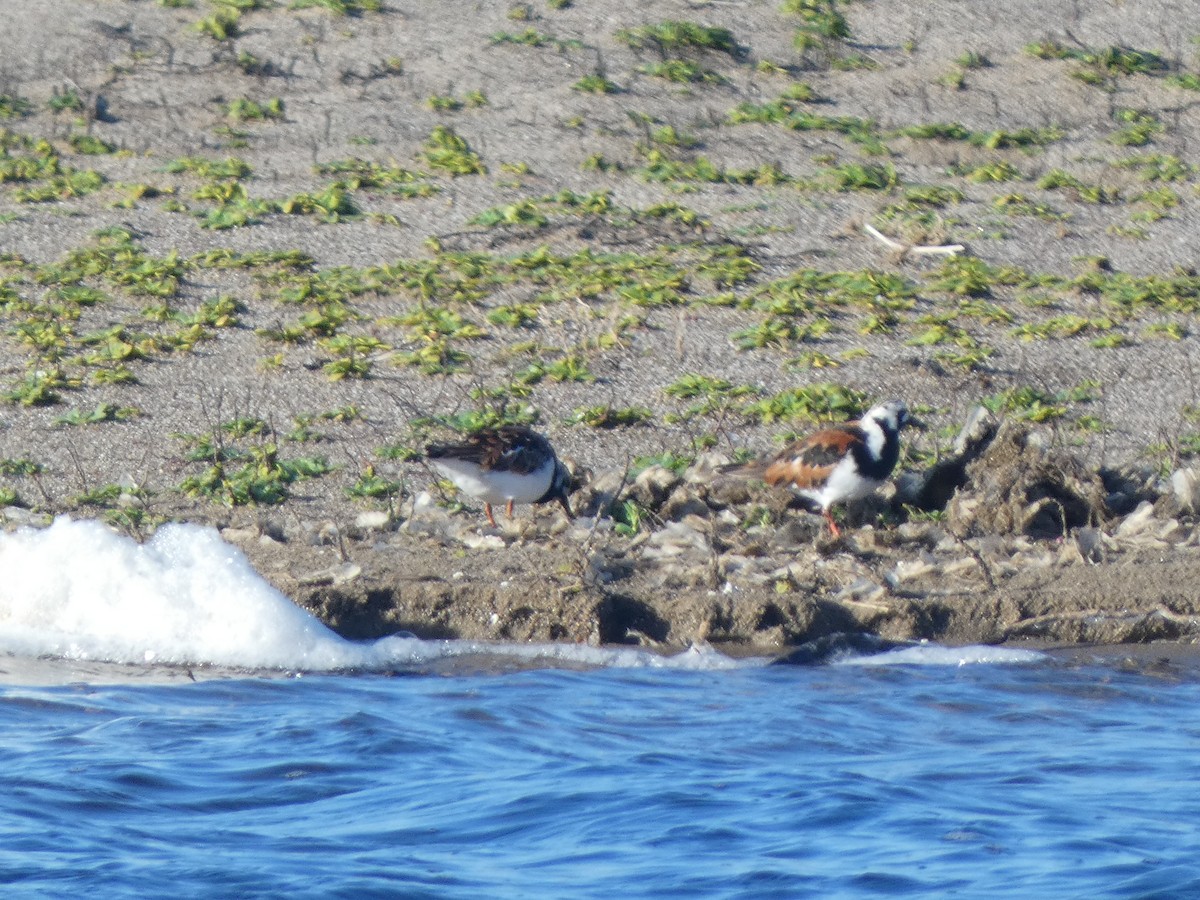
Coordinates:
(917, 249)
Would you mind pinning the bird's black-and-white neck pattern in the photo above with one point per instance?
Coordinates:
(877, 449)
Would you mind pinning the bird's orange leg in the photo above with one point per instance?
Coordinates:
(508, 508)
(487, 508)
(832, 524)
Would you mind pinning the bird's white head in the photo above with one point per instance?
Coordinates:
(890, 416)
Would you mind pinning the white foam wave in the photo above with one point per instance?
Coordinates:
(937, 655)
(76, 590)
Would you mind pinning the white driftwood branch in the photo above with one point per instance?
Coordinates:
(918, 249)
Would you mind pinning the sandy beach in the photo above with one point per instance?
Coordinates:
(253, 256)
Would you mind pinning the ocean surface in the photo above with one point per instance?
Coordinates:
(170, 725)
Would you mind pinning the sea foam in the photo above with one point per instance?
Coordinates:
(77, 590)
(937, 655)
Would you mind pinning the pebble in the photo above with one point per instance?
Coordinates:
(909, 569)
(704, 468)
(16, 515)
(334, 575)
(654, 484)
(423, 502)
(1138, 521)
(372, 520)
(1185, 485)
(979, 427)
(239, 535)
(684, 501)
(676, 539)
(960, 566)
(863, 590)
(476, 541)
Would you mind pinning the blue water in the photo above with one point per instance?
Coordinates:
(1042, 779)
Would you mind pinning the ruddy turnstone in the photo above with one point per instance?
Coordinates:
(842, 462)
(510, 464)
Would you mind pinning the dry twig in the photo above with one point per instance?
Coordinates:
(914, 249)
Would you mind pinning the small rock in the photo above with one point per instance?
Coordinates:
(583, 529)
(797, 531)
(16, 515)
(864, 590)
(598, 494)
(919, 532)
(727, 490)
(1137, 522)
(607, 482)
(372, 520)
(426, 517)
(976, 433)
(476, 541)
(943, 542)
(732, 564)
(684, 501)
(558, 525)
(300, 531)
(956, 568)
(239, 535)
(1038, 440)
(654, 484)
(1185, 486)
(1172, 531)
(909, 569)
(675, 539)
(728, 517)
(824, 649)
(704, 469)
(334, 575)
(272, 528)
(422, 501)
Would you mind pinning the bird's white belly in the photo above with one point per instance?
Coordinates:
(492, 486)
(844, 483)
